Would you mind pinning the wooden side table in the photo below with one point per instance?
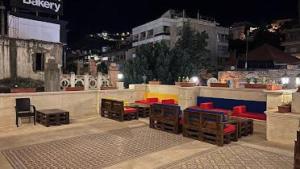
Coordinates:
(51, 117)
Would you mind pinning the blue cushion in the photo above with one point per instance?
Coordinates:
(252, 106)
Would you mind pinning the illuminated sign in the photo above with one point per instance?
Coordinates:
(48, 6)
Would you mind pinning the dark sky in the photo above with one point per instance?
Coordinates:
(85, 16)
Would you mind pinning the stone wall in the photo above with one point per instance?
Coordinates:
(16, 57)
(83, 104)
(268, 74)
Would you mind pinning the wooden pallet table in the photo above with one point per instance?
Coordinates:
(50, 117)
(245, 126)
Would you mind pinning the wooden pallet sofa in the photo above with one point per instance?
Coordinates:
(297, 152)
(114, 109)
(166, 117)
(208, 126)
(239, 108)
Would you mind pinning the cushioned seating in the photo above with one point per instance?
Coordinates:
(229, 129)
(241, 111)
(168, 101)
(148, 101)
(207, 106)
(128, 110)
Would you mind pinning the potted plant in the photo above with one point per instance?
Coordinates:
(285, 108)
(219, 85)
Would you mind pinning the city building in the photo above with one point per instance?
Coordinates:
(30, 36)
(169, 26)
(292, 38)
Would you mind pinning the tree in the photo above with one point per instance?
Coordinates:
(158, 61)
(190, 53)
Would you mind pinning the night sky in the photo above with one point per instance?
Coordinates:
(88, 16)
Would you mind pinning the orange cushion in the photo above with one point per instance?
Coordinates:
(239, 110)
(168, 101)
(207, 106)
(128, 110)
(152, 100)
(229, 129)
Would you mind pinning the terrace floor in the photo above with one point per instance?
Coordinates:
(103, 143)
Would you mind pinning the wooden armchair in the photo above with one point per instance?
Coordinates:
(165, 117)
(115, 109)
(106, 105)
(24, 109)
(209, 127)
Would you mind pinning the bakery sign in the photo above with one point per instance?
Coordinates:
(48, 6)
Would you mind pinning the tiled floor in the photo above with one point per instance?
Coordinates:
(175, 154)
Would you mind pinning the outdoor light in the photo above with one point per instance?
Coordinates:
(298, 81)
(120, 76)
(195, 79)
(285, 80)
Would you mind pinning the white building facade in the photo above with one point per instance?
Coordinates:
(169, 28)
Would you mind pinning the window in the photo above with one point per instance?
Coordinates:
(222, 38)
(143, 36)
(38, 62)
(150, 33)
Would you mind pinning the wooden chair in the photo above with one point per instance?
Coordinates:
(209, 127)
(24, 109)
(121, 113)
(106, 106)
(165, 117)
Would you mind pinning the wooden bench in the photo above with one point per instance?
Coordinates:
(166, 118)
(114, 109)
(208, 126)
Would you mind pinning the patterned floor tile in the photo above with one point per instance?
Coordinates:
(93, 151)
(233, 157)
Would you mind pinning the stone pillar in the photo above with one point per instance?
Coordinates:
(86, 82)
(73, 79)
(99, 81)
(52, 76)
(93, 67)
(277, 98)
(113, 74)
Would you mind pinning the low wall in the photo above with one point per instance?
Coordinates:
(296, 103)
(234, 93)
(82, 104)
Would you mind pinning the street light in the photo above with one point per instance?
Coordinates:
(120, 76)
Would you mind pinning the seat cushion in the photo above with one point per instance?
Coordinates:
(229, 128)
(168, 101)
(152, 100)
(239, 109)
(257, 116)
(128, 110)
(207, 106)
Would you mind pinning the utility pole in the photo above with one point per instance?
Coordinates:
(247, 49)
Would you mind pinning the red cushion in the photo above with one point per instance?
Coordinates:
(207, 106)
(152, 100)
(229, 129)
(181, 121)
(128, 110)
(141, 101)
(238, 110)
(168, 101)
(257, 116)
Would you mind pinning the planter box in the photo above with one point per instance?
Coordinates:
(4, 90)
(219, 85)
(23, 90)
(154, 82)
(274, 87)
(255, 86)
(185, 84)
(74, 89)
(285, 109)
(108, 88)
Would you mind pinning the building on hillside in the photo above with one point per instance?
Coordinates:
(268, 57)
(169, 26)
(292, 38)
(30, 36)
